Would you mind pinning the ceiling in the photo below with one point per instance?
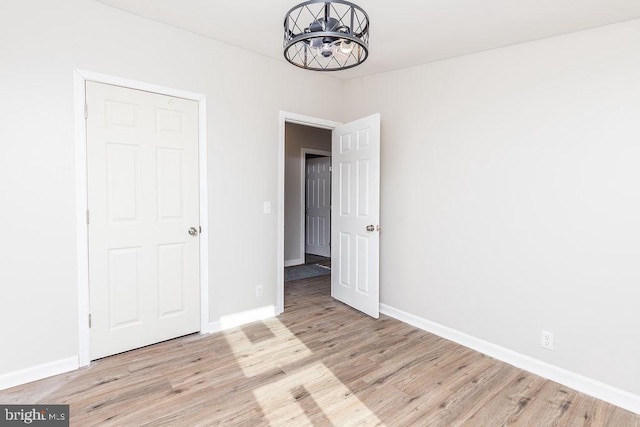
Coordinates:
(404, 33)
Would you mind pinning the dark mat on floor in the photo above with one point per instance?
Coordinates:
(305, 271)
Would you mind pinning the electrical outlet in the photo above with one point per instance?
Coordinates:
(546, 340)
(258, 291)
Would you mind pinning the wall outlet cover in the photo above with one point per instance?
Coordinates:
(546, 340)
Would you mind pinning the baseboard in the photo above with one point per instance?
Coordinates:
(210, 328)
(242, 318)
(586, 385)
(38, 372)
(292, 262)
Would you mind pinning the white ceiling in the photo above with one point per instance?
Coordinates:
(403, 32)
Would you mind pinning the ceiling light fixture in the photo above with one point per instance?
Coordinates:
(326, 35)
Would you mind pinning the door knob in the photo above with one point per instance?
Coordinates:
(193, 231)
(370, 228)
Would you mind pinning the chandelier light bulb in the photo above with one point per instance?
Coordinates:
(346, 47)
(322, 46)
(327, 50)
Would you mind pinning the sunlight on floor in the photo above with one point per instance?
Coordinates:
(306, 390)
(250, 354)
(312, 389)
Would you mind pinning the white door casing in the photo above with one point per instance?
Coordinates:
(318, 206)
(142, 164)
(355, 214)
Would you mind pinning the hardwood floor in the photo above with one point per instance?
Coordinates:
(320, 363)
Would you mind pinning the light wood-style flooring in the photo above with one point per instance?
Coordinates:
(320, 363)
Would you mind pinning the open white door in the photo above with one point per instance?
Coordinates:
(355, 214)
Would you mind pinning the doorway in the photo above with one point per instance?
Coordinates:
(299, 136)
(82, 79)
(355, 210)
(311, 204)
(306, 212)
(317, 204)
(142, 176)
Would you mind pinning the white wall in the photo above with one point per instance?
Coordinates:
(511, 196)
(42, 43)
(297, 137)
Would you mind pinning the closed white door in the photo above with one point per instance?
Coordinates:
(356, 214)
(318, 206)
(142, 153)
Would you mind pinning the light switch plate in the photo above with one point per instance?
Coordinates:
(266, 207)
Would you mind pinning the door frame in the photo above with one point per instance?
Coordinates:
(287, 117)
(303, 195)
(80, 77)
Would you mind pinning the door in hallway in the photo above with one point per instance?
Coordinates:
(318, 206)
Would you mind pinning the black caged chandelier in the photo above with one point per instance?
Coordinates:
(326, 35)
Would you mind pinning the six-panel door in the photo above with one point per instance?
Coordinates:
(318, 206)
(142, 153)
(356, 214)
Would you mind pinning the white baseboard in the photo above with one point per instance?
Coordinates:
(586, 385)
(38, 372)
(210, 328)
(292, 262)
(242, 318)
(45, 370)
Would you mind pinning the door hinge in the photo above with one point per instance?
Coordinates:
(89, 320)
(87, 216)
(330, 168)
(200, 229)
(86, 111)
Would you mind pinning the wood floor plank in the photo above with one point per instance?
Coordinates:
(509, 402)
(321, 363)
(593, 412)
